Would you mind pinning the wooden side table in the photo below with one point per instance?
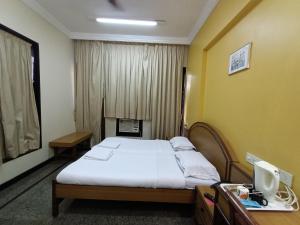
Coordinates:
(204, 210)
(70, 142)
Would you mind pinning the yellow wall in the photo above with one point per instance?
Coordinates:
(257, 110)
(221, 16)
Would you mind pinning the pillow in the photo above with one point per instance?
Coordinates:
(194, 164)
(180, 143)
(109, 143)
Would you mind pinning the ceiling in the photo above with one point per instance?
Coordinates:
(76, 18)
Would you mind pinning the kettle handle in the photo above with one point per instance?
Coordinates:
(274, 184)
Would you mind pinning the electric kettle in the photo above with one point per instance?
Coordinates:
(266, 179)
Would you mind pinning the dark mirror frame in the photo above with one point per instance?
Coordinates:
(35, 53)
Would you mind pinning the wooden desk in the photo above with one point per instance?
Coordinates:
(276, 218)
(241, 216)
(229, 210)
(70, 142)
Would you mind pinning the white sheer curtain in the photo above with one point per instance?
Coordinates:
(20, 130)
(137, 81)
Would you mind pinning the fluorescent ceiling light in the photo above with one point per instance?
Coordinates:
(127, 22)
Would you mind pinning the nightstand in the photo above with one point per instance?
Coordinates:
(204, 210)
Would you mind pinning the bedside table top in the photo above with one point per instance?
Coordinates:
(263, 217)
(200, 190)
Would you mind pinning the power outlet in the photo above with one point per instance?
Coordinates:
(285, 177)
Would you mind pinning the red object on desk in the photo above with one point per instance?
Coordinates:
(209, 202)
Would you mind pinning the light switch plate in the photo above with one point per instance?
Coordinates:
(286, 177)
(250, 158)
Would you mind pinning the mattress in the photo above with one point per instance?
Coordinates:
(191, 182)
(136, 163)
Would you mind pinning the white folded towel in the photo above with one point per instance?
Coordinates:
(109, 143)
(98, 153)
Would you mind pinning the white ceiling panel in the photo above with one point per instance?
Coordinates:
(181, 18)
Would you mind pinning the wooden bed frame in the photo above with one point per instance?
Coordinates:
(205, 139)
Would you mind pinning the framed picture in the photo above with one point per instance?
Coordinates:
(239, 60)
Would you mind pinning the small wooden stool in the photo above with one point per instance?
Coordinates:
(70, 142)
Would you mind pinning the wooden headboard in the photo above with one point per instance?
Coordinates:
(209, 143)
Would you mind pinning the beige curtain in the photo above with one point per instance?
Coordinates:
(19, 118)
(137, 81)
(89, 88)
(2, 144)
(127, 81)
(167, 77)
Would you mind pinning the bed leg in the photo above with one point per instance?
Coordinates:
(55, 207)
(55, 200)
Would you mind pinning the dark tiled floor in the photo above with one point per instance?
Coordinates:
(21, 185)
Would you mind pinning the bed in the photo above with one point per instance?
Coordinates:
(149, 185)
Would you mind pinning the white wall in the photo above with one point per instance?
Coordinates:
(111, 125)
(56, 74)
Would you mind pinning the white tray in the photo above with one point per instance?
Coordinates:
(272, 206)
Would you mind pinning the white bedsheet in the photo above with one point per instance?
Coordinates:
(126, 169)
(136, 163)
(141, 146)
(191, 182)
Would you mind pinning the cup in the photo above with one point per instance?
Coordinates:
(242, 192)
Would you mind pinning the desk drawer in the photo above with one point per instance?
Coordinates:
(202, 214)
